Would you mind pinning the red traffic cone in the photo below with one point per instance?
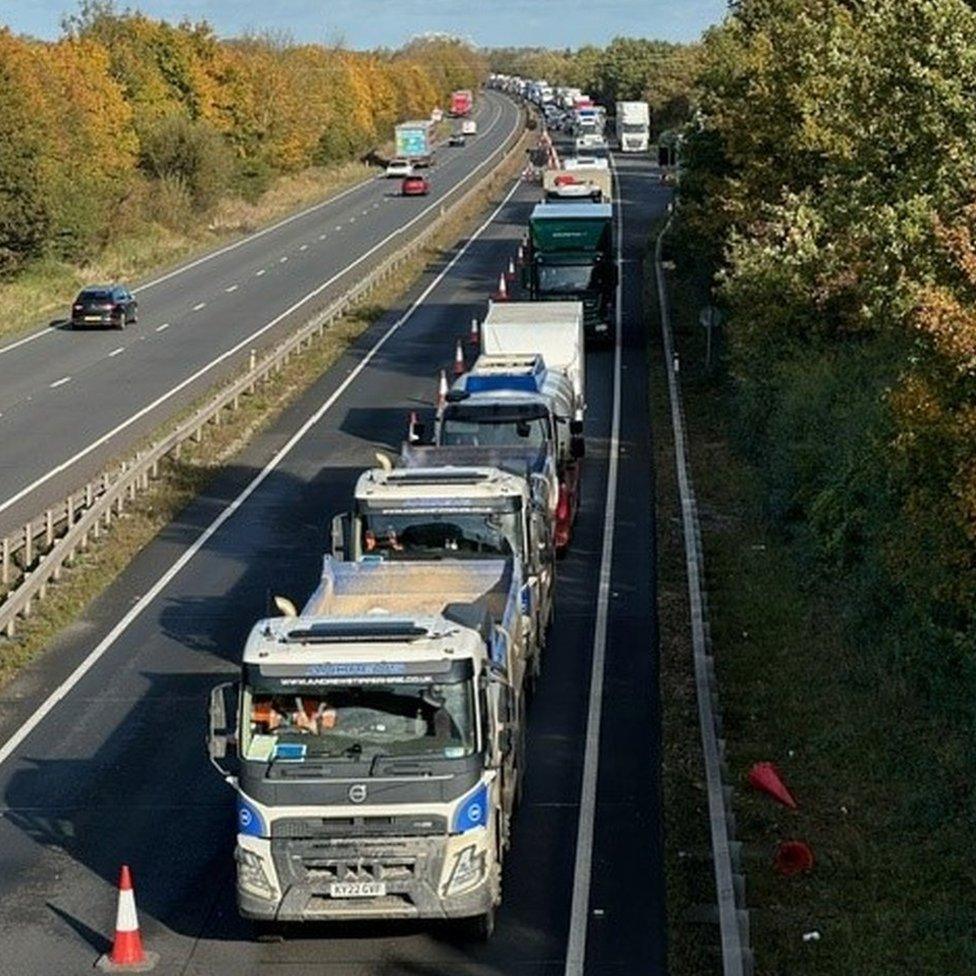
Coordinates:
(793, 857)
(442, 391)
(412, 436)
(128, 954)
(474, 335)
(502, 294)
(459, 366)
(764, 776)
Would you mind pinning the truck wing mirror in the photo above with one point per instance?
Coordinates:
(500, 733)
(340, 536)
(577, 448)
(576, 428)
(222, 734)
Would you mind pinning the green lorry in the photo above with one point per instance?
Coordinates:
(571, 258)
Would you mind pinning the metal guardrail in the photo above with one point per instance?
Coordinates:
(34, 557)
(733, 916)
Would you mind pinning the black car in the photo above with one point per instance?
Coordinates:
(98, 305)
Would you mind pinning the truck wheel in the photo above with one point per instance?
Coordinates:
(480, 928)
(267, 931)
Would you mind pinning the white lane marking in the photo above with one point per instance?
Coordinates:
(338, 226)
(230, 288)
(217, 360)
(199, 305)
(283, 259)
(304, 247)
(579, 910)
(376, 206)
(321, 237)
(163, 327)
(116, 352)
(257, 274)
(60, 382)
(352, 220)
(62, 690)
(365, 213)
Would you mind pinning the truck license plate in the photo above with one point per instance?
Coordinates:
(357, 889)
(93, 318)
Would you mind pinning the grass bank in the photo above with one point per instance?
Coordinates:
(180, 481)
(883, 778)
(42, 291)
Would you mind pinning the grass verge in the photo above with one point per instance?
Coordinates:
(883, 779)
(96, 568)
(45, 288)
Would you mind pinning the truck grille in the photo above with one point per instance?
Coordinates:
(315, 864)
(312, 828)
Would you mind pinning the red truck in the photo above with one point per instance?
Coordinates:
(461, 103)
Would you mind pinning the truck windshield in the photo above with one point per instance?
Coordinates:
(561, 279)
(633, 127)
(465, 426)
(357, 721)
(438, 535)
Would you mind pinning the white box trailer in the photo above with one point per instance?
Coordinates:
(553, 330)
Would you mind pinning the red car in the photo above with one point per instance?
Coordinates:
(415, 186)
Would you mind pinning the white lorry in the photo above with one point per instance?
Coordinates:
(376, 743)
(469, 127)
(633, 126)
(528, 388)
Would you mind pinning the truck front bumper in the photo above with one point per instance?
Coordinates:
(411, 869)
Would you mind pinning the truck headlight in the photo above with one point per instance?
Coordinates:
(467, 869)
(251, 875)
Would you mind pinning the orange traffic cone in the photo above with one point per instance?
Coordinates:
(127, 955)
(474, 335)
(510, 274)
(793, 857)
(502, 294)
(412, 436)
(442, 391)
(459, 366)
(520, 256)
(764, 776)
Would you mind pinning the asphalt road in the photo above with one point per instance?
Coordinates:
(116, 770)
(71, 401)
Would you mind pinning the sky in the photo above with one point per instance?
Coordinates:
(375, 23)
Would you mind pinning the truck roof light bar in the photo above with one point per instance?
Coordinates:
(328, 632)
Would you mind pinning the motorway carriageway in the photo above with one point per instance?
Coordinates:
(103, 758)
(72, 401)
